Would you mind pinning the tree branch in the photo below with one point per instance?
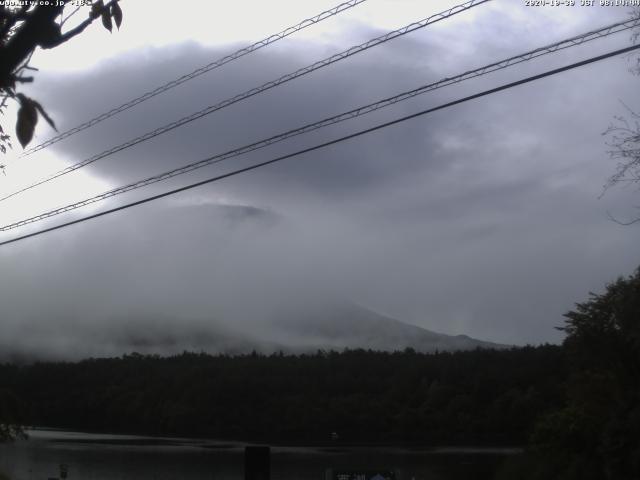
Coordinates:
(12, 18)
(39, 27)
(620, 222)
(80, 28)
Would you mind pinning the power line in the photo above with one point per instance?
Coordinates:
(196, 73)
(254, 91)
(357, 112)
(331, 142)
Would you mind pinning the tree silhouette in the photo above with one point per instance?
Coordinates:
(624, 140)
(24, 28)
(595, 435)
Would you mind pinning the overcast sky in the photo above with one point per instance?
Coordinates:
(482, 219)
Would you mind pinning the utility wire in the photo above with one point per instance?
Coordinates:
(196, 73)
(254, 91)
(331, 142)
(357, 112)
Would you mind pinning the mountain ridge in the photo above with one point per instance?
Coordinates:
(368, 329)
(295, 328)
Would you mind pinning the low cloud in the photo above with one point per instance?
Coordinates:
(482, 219)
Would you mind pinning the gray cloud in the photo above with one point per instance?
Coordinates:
(482, 219)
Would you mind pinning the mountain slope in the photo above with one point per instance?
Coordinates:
(297, 327)
(347, 325)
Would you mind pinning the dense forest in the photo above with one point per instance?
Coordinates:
(482, 396)
(576, 406)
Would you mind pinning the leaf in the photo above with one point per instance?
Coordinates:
(116, 13)
(96, 9)
(44, 114)
(27, 120)
(106, 20)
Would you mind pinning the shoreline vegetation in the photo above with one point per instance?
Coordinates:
(479, 397)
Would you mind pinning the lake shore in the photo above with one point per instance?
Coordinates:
(62, 435)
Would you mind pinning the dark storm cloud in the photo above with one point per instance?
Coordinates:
(481, 219)
(275, 111)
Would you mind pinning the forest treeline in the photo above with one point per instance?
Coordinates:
(576, 406)
(472, 397)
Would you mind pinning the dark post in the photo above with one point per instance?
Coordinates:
(257, 463)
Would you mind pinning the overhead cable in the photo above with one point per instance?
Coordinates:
(196, 73)
(357, 112)
(254, 91)
(317, 147)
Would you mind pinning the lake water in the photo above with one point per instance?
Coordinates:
(128, 457)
